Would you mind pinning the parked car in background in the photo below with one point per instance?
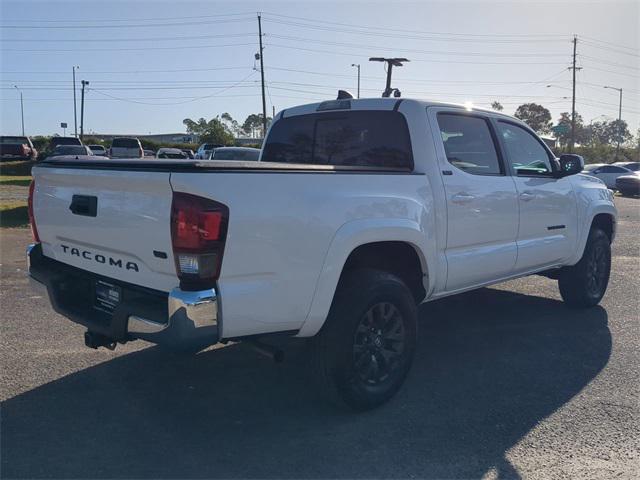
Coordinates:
(189, 153)
(126, 147)
(205, 150)
(98, 150)
(171, 153)
(71, 150)
(629, 185)
(55, 141)
(607, 173)
(17, 148)
(633, 166)
(149, 153)
(236, 153)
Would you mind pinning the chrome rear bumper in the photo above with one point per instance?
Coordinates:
(181, 319)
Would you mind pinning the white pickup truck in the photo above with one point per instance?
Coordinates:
(358, 211)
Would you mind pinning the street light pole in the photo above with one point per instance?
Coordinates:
(75, 113)
(358, 66)
(84, 84)
(619, 119)
(21, 108)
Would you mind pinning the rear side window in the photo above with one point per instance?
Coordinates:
(354, 138)
(125, 143)
(468, 144)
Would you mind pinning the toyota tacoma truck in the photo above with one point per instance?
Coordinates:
(358, 211)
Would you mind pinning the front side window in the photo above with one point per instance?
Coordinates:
(468, 144)
(525, 151)
(351, 138)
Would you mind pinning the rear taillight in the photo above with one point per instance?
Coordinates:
(32, 220)
(198, 233)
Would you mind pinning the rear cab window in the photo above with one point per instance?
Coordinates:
(360, 138)
(125, 143)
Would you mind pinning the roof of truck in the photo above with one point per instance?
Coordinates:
(375, 104)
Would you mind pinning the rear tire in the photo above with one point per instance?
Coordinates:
(584, 284)
(363, 353)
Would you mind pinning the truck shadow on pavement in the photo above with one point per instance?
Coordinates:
(490, 365)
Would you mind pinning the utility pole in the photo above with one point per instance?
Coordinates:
(264, 102)
(391, 62)
(573, 97)
(358, 66)
(84, 84)
(619, 120)
(21, 108)
(75, 114)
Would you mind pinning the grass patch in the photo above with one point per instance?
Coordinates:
(14, 214)
(19, 168)
(17, 180)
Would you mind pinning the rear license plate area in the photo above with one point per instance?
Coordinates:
(108, 296)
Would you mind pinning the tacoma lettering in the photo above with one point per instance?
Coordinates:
(99, 258)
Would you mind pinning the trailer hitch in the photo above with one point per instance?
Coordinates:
(95, 340)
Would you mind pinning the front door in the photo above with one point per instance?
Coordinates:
(482, 206)
(548, 210)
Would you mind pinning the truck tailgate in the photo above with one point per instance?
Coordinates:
(120, 226)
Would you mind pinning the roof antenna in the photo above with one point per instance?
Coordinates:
(391, 62)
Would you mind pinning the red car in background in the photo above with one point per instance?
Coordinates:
(17, 148)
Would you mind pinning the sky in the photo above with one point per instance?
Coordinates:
(151, 64)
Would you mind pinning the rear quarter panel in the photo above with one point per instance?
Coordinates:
(282, 226)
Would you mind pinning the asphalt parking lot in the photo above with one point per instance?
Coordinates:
(507, 383)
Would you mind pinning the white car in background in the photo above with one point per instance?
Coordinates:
(607, 173)
(206, 149)
(98, 150)
(126, 147)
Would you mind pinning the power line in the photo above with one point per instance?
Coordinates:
(139, 25)
(429, 52)
(132, 49)
(145, 19)
(413, 59)
(114, 40)
(378, 27)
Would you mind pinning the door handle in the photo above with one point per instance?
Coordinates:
(527, 196)
(462, 197)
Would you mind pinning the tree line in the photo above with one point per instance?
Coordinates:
(224, 129)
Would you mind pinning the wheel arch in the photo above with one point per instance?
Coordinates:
(356, 244)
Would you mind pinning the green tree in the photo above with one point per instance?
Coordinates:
(583, 134)
(536, 116)
(254, 122)
(497, 106)
(608, 132)
(212, 131)
(231, 124)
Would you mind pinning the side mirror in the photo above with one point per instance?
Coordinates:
(570, 164)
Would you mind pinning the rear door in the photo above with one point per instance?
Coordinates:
(548, 210)
(110, 222)
(482, 207)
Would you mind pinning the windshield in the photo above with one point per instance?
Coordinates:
(236, 154)
(13, 140)
(589, 168)
(125, 143)
(173, 155)
(70, 150)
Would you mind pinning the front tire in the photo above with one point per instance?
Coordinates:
(364, 351)
(584, 284)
